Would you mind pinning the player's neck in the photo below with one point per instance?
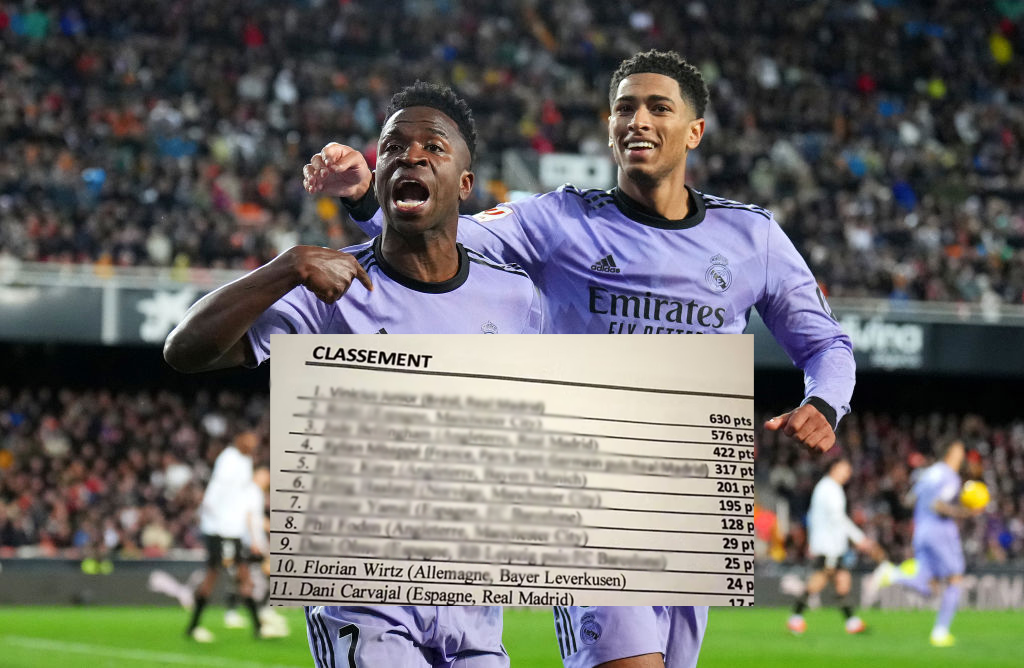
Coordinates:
(430, 257)
(668, 197)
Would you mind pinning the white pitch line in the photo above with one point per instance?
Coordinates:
(132, 654)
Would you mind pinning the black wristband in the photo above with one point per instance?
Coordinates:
(824, 408)
(362, 209)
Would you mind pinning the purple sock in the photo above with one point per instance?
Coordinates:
(950, 599)
(919, 583)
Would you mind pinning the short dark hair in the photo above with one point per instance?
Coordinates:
(442, 98)
(670, 64)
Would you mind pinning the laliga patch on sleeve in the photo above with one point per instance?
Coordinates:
(493, 214)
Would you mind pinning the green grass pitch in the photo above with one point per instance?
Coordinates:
(110, 637)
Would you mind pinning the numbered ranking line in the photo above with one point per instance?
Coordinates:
(487, 480)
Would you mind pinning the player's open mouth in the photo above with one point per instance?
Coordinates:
(638, 147)
(410, 195)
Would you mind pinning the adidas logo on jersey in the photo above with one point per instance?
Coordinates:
(607, 265)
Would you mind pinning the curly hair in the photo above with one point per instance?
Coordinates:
(670, 64)
(442, 98)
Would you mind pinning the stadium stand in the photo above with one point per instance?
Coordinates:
(96, 473)
(141, 133)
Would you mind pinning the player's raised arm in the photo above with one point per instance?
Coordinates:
(212, 334)
(795, 311)
(341, 171)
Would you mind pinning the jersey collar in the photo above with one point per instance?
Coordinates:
(638, 212)
(452, 283)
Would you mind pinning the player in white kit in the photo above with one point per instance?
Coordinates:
(422, 281)
(649, 256)
(222, 520)
(256, 550)
(830, 532)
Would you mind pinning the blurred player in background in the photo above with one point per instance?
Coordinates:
(256, 548)
(649, 256)
(422, 282)
(223, 516)
(938, 554)
(830, 533)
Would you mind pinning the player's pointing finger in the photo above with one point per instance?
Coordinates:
(363, 277)
(777, 422)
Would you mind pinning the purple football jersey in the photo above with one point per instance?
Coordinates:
(936, 537)
(938, 483)
(605, 265)
(589, 636)
(484, 297)
(406, 637)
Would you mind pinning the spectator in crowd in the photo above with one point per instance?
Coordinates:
(150, 135)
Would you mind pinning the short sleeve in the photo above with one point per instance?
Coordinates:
(298, 312)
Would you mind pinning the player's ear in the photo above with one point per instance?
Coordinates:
(465, 185)
(374, 186)
(694, 133)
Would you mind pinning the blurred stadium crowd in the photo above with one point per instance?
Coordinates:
(887, 452)
(146, 133)
(94, 473)
(98, 474)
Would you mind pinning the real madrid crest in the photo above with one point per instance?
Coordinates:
(489, 328)
(718, 276)
(590, 629)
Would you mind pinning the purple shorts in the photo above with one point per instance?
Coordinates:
(405, 637)
(939, 558)
(590, 636)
